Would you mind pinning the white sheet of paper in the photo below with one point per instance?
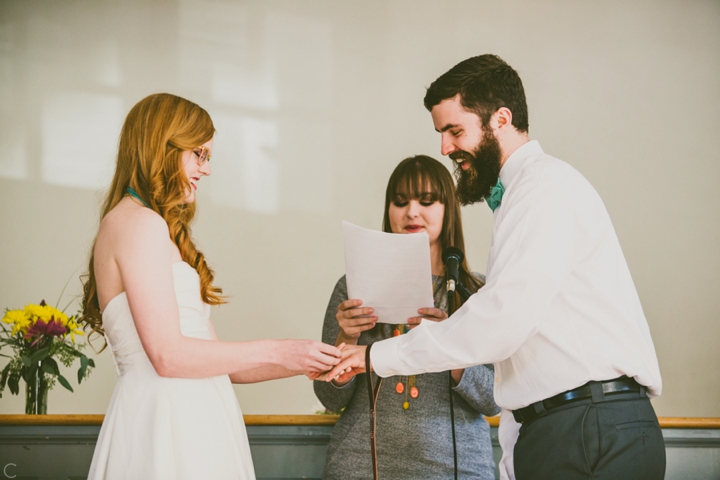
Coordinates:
(389, 272)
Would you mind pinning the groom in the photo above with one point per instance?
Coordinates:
(559, 316)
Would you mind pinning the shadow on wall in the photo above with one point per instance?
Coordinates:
(66, 84)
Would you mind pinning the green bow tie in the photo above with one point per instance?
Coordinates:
(495, 198)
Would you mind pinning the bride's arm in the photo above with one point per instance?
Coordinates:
(144, 253)
(259, 374)
(262, 374)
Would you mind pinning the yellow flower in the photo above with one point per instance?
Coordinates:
(73, 328)
(73, 332)
(22, 320)
(19, 319)
(45, 313)
(15, 316)
(37, 311)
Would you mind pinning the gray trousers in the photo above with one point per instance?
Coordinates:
(615, 438)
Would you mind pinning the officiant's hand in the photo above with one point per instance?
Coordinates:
(432, 314)
(353, 321)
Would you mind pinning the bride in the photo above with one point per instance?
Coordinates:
(173, 413)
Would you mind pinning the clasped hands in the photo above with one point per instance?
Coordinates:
(354, 320)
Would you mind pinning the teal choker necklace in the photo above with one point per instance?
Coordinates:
(134, 194)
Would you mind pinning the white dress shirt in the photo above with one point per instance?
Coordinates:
(559, 308)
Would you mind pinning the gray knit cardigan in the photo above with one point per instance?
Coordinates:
(415, 443)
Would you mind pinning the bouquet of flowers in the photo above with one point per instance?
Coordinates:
(38, 334)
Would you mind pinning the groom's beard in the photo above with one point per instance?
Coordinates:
(475, 183)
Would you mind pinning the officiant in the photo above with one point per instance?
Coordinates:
(414, 429)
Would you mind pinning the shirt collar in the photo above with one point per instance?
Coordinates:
(515, 161)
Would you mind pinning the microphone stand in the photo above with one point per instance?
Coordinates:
(453, 257)
(464, 295)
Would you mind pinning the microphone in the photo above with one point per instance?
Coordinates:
(452, 258)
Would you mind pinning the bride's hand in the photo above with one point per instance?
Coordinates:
(308, 356)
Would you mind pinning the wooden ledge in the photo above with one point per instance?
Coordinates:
(301, 420)
(284, 420)
(293, 420)
(51, 419)
(689, 422)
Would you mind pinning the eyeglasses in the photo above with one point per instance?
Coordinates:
(202, 155)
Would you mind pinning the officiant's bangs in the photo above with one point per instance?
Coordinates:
(422, 178)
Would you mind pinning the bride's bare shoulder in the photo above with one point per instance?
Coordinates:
(129, 220)
(130, 239)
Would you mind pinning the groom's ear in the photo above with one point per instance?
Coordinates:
(501, 119)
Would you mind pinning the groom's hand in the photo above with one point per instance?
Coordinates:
(351, 363)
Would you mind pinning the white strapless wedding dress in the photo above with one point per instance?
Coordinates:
(168, 428)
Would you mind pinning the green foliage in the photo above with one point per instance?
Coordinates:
(47, 354)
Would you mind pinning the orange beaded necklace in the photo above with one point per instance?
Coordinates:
(408, 387)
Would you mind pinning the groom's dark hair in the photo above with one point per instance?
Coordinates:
(485, 84)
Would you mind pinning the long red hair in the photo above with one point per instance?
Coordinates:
(155, 133)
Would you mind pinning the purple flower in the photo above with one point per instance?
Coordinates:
(53, 328)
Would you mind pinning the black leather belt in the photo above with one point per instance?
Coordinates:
(609, 388)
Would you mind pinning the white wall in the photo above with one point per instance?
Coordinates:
(315, 102)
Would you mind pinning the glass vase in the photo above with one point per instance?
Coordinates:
(36, 393)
